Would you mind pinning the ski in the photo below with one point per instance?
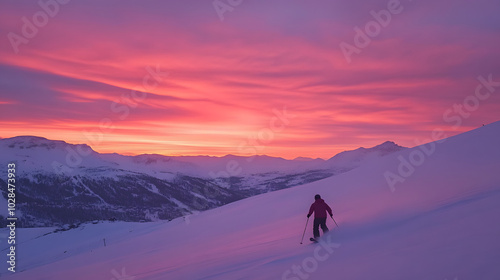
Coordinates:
(313, 240)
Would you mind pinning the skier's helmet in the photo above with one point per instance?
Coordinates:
(316, 197)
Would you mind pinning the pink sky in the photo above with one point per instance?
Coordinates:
(227, 79)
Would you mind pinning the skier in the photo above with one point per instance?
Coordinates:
(319, 207)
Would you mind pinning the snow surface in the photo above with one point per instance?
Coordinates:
(440, 223)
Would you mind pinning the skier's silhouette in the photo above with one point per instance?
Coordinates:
(320, 208)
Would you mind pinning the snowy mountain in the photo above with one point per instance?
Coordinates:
(62, 183)
(360, 156)
(439, 222)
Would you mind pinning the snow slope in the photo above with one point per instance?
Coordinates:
(440, 223)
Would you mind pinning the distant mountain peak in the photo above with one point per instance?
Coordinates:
(387, 144)
(27, 142)
(30, 142)
(150, 158)
(27, 138)
(305, 159)
(388, 147)
(356, 157)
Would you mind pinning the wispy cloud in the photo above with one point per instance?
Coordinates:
(226, 77)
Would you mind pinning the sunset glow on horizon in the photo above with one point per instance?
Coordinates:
(172, 78)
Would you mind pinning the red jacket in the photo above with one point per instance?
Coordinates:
(319, 207)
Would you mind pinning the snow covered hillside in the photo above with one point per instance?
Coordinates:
(68, 184)
(436, 218)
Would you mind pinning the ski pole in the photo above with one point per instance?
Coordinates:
(334, 221)
(304, 231)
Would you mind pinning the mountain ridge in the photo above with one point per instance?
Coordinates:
(69, 183)
(32, 139)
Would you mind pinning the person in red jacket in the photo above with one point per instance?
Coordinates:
(320, 208)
